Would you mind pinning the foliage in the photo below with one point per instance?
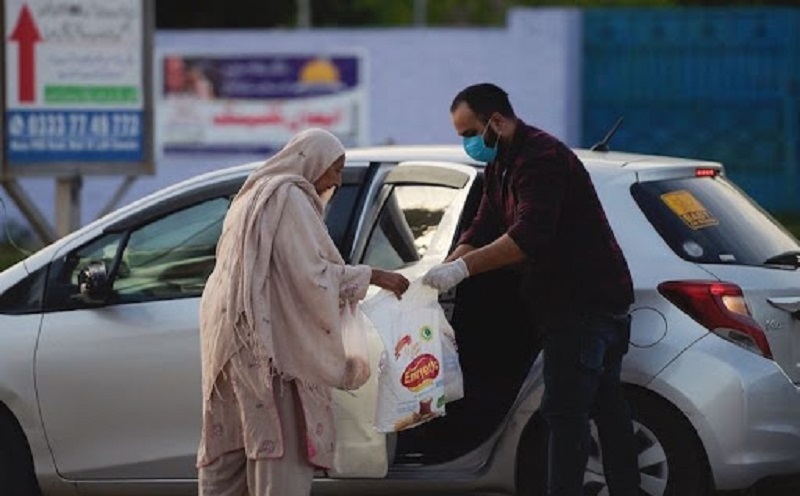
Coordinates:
(9, 256)
(237, 14)
(790, 221)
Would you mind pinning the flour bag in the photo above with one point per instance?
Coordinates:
(411, 387)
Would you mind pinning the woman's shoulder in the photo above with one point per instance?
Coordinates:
(299, 197)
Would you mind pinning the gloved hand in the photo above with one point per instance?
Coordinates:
(447, 275)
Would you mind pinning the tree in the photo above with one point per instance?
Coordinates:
(235, 14)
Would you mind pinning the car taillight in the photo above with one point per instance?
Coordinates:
(721, 308)
(705, 172)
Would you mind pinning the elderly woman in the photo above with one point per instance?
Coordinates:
(270, 327)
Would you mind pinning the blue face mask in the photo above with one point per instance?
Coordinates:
(476, 147)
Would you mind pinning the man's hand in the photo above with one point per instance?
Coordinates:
(446, 275)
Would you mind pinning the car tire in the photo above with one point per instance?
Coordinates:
(683, 465)
(676, 465)
(17, 476)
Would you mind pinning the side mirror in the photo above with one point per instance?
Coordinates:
(93, 283)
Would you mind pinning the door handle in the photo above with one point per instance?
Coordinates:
(789, 304)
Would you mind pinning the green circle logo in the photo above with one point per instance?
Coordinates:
(426, 333)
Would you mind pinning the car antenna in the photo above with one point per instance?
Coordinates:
(602, 146)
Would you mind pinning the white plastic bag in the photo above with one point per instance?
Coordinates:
(360, 450)
(354, 337)
(453, 377)
(411, 382)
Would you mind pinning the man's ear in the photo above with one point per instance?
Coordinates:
(496, 121)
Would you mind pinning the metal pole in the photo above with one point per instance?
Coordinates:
(304, 14)
(420, 12)
(68, 204)
(28, 208)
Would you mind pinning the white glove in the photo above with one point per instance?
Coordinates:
(447, 275)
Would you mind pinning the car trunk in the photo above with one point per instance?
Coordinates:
(773, 296)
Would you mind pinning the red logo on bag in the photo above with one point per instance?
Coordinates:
(420, 372)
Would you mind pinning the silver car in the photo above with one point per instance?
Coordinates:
(99, 352)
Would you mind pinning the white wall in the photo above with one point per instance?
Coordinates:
(413, 75)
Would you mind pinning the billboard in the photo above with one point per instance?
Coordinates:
(76, 79)
(255, 103)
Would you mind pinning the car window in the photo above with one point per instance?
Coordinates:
(406, 225)
(173, 256)
(710, 220)
(170, 257)
(26, 295)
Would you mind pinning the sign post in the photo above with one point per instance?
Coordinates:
(77, 79)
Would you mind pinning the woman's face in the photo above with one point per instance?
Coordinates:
(331, 178)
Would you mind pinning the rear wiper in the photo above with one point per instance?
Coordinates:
(788, 258)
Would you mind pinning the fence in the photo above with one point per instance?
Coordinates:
(715, 83)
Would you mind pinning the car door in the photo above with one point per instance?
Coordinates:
(119, 382)
(413, 215)
(408, 224)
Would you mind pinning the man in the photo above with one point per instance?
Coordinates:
(539, 211)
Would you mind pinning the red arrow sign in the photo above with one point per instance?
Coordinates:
(27, 35)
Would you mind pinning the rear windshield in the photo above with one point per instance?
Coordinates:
(709, 220)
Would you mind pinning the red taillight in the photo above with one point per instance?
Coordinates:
(721, 308)
(706, 172)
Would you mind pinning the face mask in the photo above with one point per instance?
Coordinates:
(476, 147)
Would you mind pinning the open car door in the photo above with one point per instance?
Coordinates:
(408, 225)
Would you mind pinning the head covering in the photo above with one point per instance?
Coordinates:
(308, 154)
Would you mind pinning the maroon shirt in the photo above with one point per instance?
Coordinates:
(539, 193)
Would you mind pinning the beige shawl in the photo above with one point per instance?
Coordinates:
(236, 306)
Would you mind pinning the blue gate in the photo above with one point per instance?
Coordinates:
(715, 83)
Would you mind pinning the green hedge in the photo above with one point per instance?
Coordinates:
(9, 256)
(791, 222)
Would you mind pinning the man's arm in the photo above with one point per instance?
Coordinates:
(468, 261)
(502, 252)
(459, 252)
(539, 191)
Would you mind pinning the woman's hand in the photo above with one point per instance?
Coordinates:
(390, 281)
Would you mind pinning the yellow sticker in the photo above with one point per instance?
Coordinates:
(689, 209)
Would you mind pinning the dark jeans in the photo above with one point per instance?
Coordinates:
(582, 361)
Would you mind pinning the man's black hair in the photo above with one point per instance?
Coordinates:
(484, 99)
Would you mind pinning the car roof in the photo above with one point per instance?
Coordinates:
(604, 162)
(608, 162)
(455, 153)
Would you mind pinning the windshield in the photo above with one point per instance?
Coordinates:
(709, 220)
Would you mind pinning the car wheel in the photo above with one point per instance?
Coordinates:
(16, 465)
(671, 458)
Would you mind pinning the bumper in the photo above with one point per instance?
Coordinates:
(744, 408)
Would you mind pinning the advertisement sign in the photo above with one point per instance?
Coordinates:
(256, 103)
(76, 85)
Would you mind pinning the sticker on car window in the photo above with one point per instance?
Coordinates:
(689, 209)
(693, 249)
